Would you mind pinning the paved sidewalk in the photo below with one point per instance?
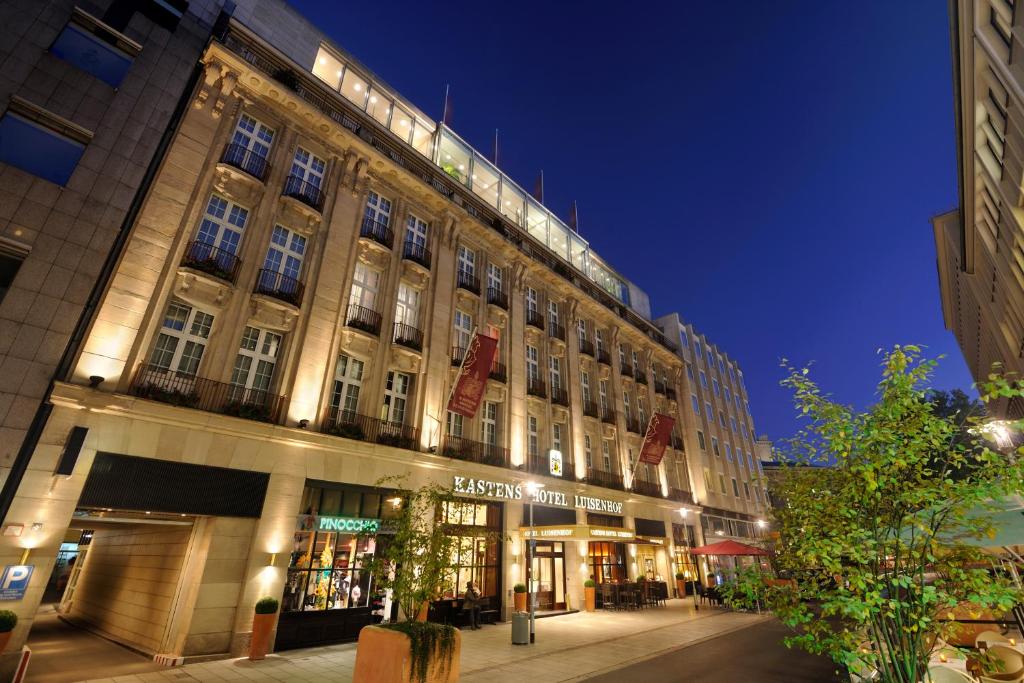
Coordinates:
(568, 648)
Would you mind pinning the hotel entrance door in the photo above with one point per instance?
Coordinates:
(548, 571)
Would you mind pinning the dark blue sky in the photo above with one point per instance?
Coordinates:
(766, 169)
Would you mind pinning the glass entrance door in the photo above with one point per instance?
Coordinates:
(548, 572)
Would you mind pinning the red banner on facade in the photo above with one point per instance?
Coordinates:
(659, 430)
(470, 383)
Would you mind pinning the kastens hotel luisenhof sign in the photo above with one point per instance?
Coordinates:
(487, 488)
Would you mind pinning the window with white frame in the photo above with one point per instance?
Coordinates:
(396, 393)
(599, 340)
(416, 231)
(252, 135)
(555, 364)
(556, 437)
(182, 339)
(626, 410)
(588, 453)
(709, 413)
(714, 447)
(284, 256)
(728, 452)
(641, 409)
(732, 423)
(735, 488)
(454, 425)
(707, 481)
(689, 372)
(684, 339)
(308, 167)
(757, 494)
(489, 423)
(378, 210)
(257, 356)
(532, 439)
(532, 365)
(746, 490)
(581, 329)
(365, 285)
(711, 359)
(728, 397)
(714, 384)
(700, 440)
(466, 261)
(721, 418)
(553, 314)
(531, 300)
(463, 329)
(636, 362)
(696, 404)
(606, 455)
(602, 393)
(622, 356)
(585, 387)
(721, 483)
(495, 278)
(407, 307)
(703, 379)
(221, 227)
(697, 351)
(348, 380)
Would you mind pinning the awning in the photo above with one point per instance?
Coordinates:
(728, 548)
(578, 532)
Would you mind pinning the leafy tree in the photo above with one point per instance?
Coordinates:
(877, 542)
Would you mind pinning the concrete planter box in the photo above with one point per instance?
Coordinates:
(385, 656)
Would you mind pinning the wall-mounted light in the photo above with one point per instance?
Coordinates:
(303, 423)
(24, 555)
(37, 526)
(273, 560)
(95, 381)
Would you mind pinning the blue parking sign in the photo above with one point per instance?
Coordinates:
(14, 581)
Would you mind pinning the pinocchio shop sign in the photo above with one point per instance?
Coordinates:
(346, 525)
(485, 488)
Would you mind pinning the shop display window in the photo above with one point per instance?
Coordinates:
(326, 572)
(607, 561)
(477, 554)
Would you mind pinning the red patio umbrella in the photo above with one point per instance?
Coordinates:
(728, 548)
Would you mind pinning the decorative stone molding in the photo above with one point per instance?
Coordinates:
(236, 185)
(559, 413)
(373, 254)
(200, 289)
(495, 392)
(607, 430)
(358, 343)
(533, 335)
(465, 300)
(271, 313)
(298, 215)
(415, 275)
(517, 271)
(405, 359)
(219, 83)
(556, 347)
(603, 371)
(497, 316)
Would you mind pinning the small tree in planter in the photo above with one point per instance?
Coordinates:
(590, 595)
(681, 584)
(8, 620)
(262, 627)
(882, 536)
(519, 595)
(415, 566)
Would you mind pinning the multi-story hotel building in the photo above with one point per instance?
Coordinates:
(281, 333)
(980, 246)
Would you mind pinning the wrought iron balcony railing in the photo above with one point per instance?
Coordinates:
(279, 286)
(535, 387)
(458, 352)
(587, 347)
(647, 488)
(211, 260)
(417, 253)
(497, 297)
(468, 282)
(498, 372)
(604, 357)
(363, 318)
(306, 192)
(407, 336)
(541, 464)
(474, 451)
(681, 495)
(534, 319)
(245, 159)
(608, 416)
(556, 331)
(188, 391)
(377, 231)
(626, 370)
(608, 480)
(559, 395)
(590, 409)
(352, 425)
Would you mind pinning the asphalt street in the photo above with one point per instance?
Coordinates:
(755, 654)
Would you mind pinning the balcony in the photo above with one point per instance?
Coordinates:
(671, 393)
(604, 357)
(417, 253)
(352, 425)
(541, 464)
(559, 395)
(659, 387)
(279, 286)
(247, 160)
(211, 260)
(534, 319)
(647, 488)
(681, 496)
(499, 373)
(556, 331)
(468, 282)
(608, 480)
(608, 416)
(188, 391)
(640, 376)
(458, 353)
(407, 336)
(497, 297)
(377, 231)
(590, 409)
(633, 425)
(626, 370)
(535, 387)
(587, 347)
(474, 451)
(304, 191)
(363, 318)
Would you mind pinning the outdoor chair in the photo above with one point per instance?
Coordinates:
(943, 674)
(987, 639)
(607, 597)
(1014, 677)
(1012, 659)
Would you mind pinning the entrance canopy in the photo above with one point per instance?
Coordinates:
(728, 548)
(579, 532)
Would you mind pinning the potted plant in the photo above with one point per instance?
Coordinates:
(415, 567)
(262, 627)
(589, 595)
(8, 620)
(681, 584)
(519, 592)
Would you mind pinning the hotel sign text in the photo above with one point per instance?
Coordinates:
(486, 488)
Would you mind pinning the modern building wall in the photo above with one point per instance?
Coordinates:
(979, 247)
(219, 352)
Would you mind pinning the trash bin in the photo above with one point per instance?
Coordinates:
(520, 628)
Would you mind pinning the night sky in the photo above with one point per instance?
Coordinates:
(767, 169)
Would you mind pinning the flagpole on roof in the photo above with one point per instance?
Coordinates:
(495, 160)
(444, 110)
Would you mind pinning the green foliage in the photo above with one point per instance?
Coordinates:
(875, 540)
(266, 605)
(745, 588)
(680, 576)
(519, 588)
(8, 620)
(427, 641)
(589, 583)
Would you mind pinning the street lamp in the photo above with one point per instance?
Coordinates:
(684, 511)
(532, 488)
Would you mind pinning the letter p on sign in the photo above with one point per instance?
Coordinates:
(14, 581)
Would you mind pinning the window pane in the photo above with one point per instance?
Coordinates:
(91, 54)
(512, 202)
(38, 150)
(423, 137)
(354, 88)
(485, 181)
(327, 68)
(454, 158)
(379, 106)
(537, 221)
(559, 239)
(401, 123)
